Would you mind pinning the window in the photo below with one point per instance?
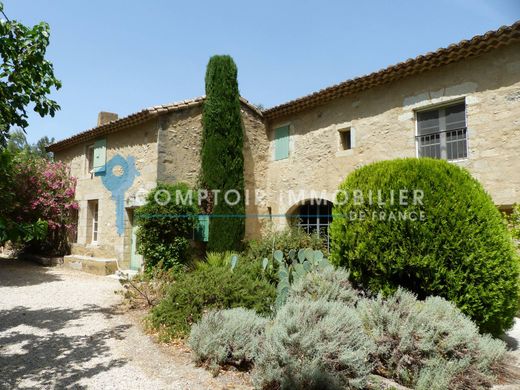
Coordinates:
(96, 156)
(314, 217)
(281, 143)
(442, 133)
(346, 138)
(93, 221)
(90, 158)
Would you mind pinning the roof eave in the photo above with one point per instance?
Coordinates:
(456, 52)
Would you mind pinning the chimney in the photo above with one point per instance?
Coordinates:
(105, 117)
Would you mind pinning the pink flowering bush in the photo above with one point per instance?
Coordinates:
(45, 191)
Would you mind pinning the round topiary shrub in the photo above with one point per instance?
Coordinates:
(430, 227)
(313, 345)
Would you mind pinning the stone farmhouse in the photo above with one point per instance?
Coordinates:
(460, 103)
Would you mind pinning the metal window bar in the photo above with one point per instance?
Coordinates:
(448, 144)
(321, 216)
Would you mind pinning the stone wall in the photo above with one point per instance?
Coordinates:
(139, 142)
(165, 150)
(179, 156)
(383, 123)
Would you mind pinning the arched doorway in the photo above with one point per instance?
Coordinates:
(314, 217)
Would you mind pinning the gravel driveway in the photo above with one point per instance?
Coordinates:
(62, 329)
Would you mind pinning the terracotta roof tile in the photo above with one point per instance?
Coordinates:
(132, 120)
(453, 53)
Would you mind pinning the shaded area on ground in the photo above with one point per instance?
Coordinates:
(16, 273)
(51, 358)
(61, 328)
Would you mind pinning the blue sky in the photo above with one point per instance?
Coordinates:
(124, 55)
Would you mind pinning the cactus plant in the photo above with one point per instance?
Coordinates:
(234, 261)
(293, 269)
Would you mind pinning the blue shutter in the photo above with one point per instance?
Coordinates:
(100, 155)
(202, 228)
(281, 143)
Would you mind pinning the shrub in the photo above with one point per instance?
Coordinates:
(428, 344)
(296, 267)
(313, 345)
(145, 290)
(208, 288)
(513, 222)
(329, 284)
(165, 227)
(43, 190)
(226, 337)
(215, 259)
(460, 251)
(284, 240)
(222, 158)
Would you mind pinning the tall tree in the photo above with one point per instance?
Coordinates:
(17, 142)
(221, 154)
(26, 77)
(40, 147)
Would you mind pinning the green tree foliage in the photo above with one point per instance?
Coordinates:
(222, 158)
(461, 251)
(40, 147)
(18, 143)
(44, 190)
(36, 202)
(166, 224)
(513, 221)
(26, 77)
(15, 228)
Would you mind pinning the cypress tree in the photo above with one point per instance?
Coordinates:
(221, 154)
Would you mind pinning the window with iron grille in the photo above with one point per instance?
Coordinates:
(314, 217)
(442, 133)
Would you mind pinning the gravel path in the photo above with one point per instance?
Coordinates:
(62, 329)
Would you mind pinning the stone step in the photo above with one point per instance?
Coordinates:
(92, 265)
(124, 274)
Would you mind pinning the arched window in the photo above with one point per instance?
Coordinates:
(314, 217)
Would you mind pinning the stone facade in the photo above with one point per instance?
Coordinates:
(165, 149)
(139, 142)
(181, 132)
(382, 123)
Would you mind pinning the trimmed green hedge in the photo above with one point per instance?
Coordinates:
(461, 251)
